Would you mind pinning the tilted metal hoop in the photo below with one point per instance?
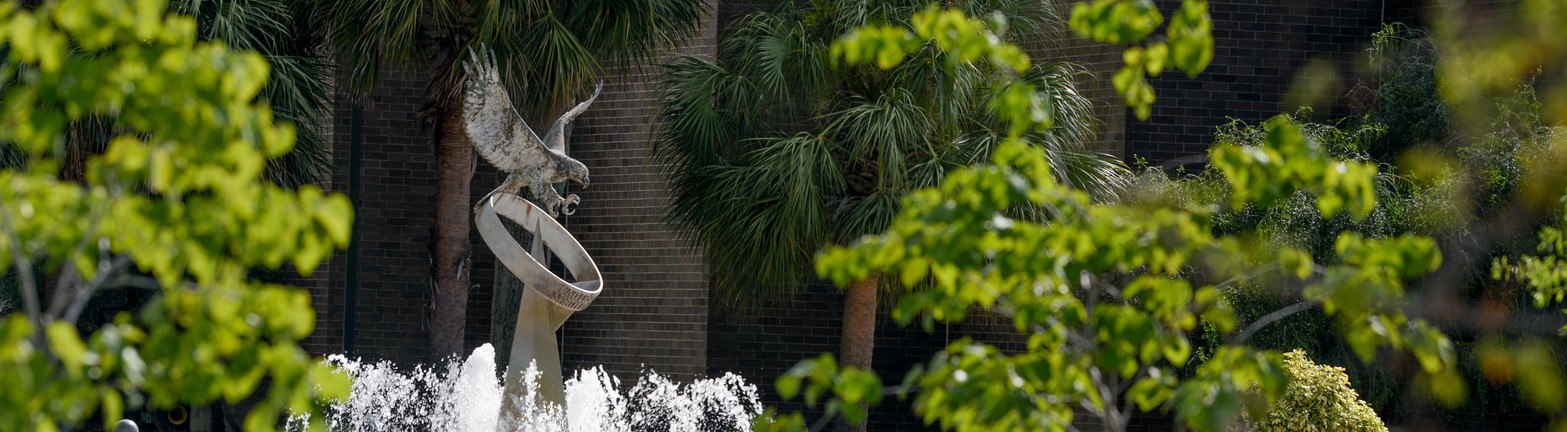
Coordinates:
(573, 296)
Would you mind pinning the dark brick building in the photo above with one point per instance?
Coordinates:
(655, 313)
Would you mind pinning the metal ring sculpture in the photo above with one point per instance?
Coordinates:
(547, 300)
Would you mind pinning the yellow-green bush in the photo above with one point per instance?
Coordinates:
(1317, 398)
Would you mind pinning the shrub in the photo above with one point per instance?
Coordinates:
(1317, 398)
(1405, 94)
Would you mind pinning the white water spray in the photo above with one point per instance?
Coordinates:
(466, 396)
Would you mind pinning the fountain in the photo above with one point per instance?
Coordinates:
(547, 300)
(465, 396)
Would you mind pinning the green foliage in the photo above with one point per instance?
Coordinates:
(1488, 64)
(1296, 222)
(553, 49)
(1187, 45)
(1439, 181)
(1091, 286)
(1531, 363)
(821, 377)
(783, 145)
(1404, 99)
(177, 196)
(1287, 162)
(1111, 295)
(297, 91)
(1317, 398)
(1544, 273)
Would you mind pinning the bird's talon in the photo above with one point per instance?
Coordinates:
(567, 203)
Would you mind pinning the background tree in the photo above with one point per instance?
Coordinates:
(549, 51)
(298, 90)
(175, 203)
(1373, 289)
(775, 151)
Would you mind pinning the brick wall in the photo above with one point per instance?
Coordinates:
(392, 220)
(1258, 48)
(653, 312)
(1484, 15)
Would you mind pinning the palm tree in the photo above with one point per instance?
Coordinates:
(549, 51)
(775, 153)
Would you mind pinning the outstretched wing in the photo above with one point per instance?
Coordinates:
(555, 138)
(497, 132)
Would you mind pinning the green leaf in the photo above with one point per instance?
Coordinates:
(853, 412)
(66, 345)
(857, 386)
(788, 386)
(1191, 37)
(1155, 59)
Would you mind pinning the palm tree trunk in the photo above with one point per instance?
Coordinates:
(859, 328)
(449, 242)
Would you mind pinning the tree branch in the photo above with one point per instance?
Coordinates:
(1269, 319)
(104, 273)
(1237, 278)
(820, 423)
(24, 269)
(63, 295)
(71, 276)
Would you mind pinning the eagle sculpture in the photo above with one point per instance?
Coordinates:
(507, 142)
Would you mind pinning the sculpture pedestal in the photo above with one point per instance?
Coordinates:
(547, 300)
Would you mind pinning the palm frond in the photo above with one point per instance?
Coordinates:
(760, 207)
(929, 172)
(950, 92)
(870, 214)
(698, 116)
(760, 48)
(761, 224)
(1102, 175)
(852, 14)
(880, 131)
(298, 93)
(259, 25)
(1027, 20)
(370, 33)
(556, 64)
(633, 32)
(499, 27)
(551, 50)
(1065, 143)
(1074, 120)
(786, 65)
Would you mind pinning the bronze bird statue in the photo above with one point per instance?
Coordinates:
(505, 141)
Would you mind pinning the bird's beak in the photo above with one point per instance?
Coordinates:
(584, 183)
